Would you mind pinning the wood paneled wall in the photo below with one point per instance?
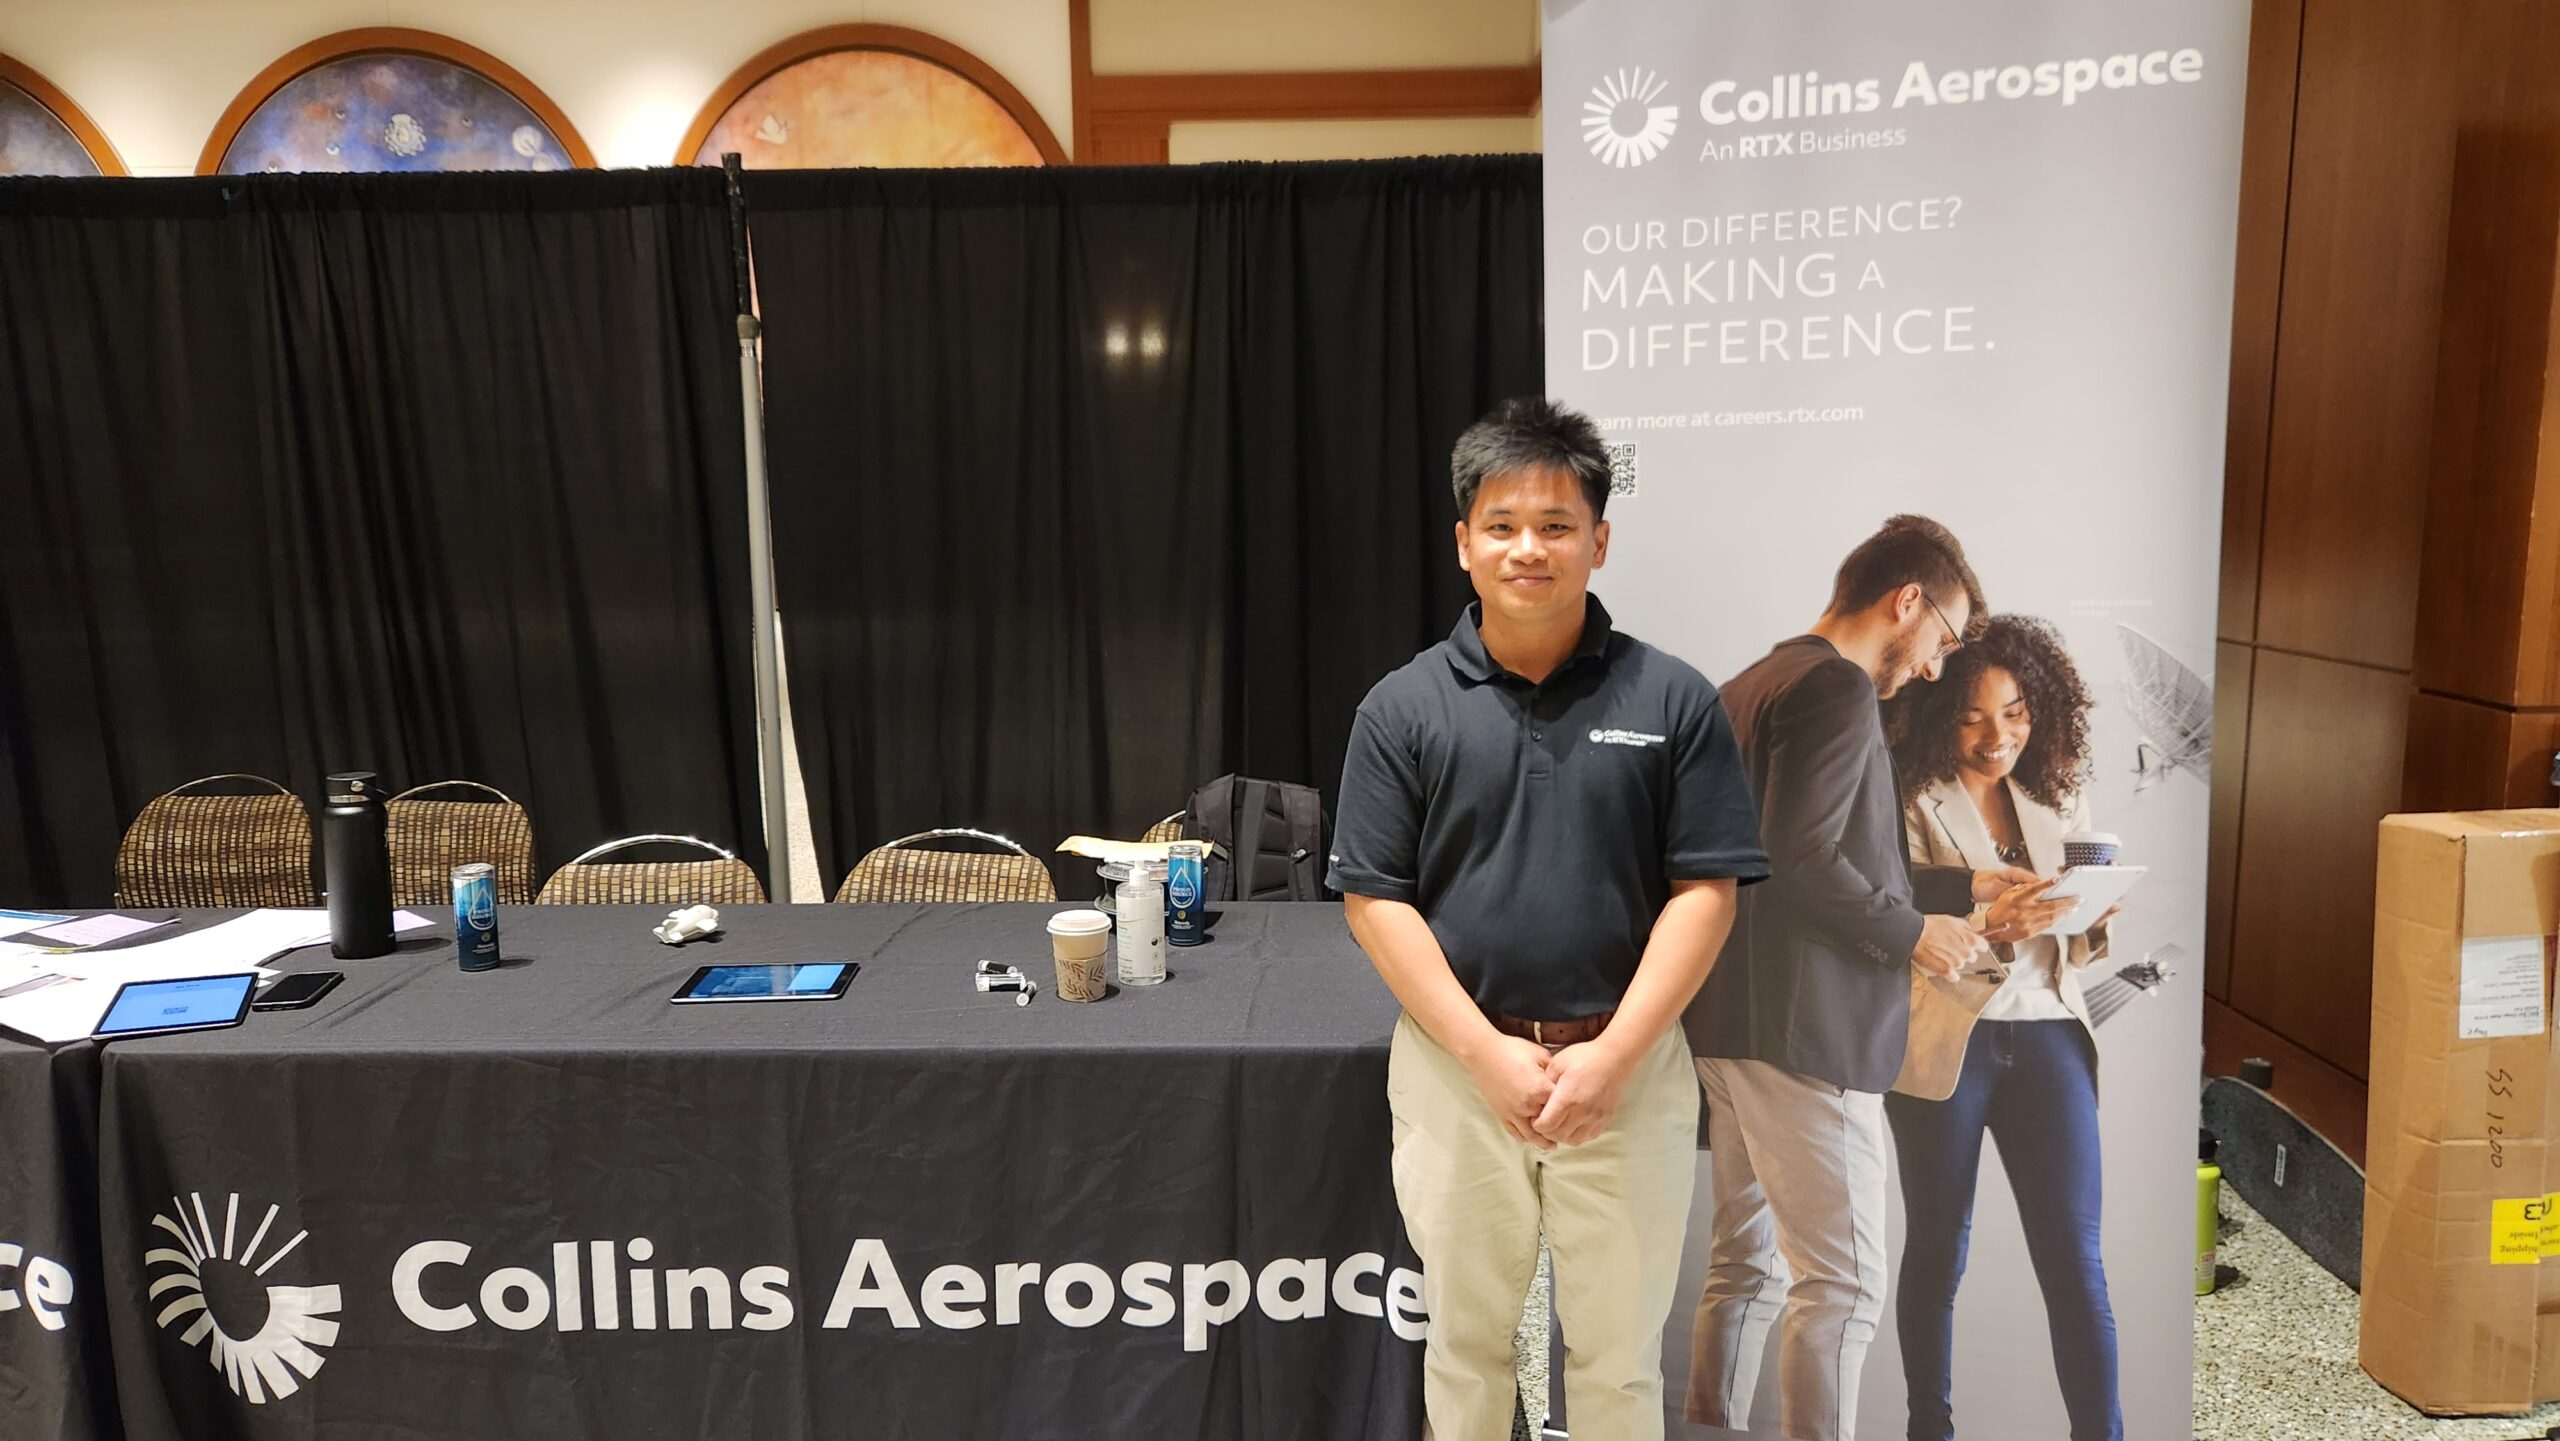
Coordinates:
(2333, 379)
(2391, 555)
(2487, 717)
(1126, 119)
(2354, 378)
(2323, 767)
(2266, 175)
(1130, 117)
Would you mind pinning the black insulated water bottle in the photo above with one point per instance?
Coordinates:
(355, 855)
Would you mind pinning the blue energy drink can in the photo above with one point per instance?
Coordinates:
(1182, 912)
(475, 915)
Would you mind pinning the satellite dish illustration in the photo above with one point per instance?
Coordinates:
(2173, 707)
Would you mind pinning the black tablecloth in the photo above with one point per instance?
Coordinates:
(822, 1218)
(54, 1378)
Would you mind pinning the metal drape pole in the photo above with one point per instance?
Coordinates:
(777, 820)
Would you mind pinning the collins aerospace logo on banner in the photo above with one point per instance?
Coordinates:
(1621, 122)
(288, 1338)
(1630, 117)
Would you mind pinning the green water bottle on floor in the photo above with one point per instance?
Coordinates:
(2208, 1212)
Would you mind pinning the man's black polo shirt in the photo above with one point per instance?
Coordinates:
(1538, 828)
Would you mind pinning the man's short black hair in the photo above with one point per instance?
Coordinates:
(1530, 432)
(1909, 548)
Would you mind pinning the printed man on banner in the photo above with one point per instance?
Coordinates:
(1801, 1027)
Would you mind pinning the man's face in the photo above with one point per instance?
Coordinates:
(1924, 635)
(1530, 545)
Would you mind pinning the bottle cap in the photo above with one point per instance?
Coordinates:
(347, 787)
(2205, 1145)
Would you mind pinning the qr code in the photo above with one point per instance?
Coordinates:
(1622, 468)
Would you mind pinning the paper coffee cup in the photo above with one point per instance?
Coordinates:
(1078, 941)
(2089, 848)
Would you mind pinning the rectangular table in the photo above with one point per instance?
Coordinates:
(543, 1201)
(54, 1374)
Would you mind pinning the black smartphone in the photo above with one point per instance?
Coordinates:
(293, 993)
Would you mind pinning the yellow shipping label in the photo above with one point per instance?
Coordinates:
(2524, 1230)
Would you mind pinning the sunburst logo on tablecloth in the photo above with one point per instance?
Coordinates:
(1621, 123)
(297, 1329)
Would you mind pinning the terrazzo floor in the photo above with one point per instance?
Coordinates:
(1530, 1345)
(2276, 1355)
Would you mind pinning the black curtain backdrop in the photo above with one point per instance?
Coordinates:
(436, 475)
(1092, 484)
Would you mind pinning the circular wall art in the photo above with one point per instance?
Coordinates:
(43, 133)
(391, 99)
(863, 95)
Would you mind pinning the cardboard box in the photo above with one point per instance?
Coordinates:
(2461, 1306)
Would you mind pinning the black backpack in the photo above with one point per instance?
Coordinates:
(1270, 839)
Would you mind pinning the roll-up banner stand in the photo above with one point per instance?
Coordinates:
(1817, 263)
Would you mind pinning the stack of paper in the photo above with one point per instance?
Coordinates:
(95, 930)
(57, 998)
(13, 922)
(1097, 848)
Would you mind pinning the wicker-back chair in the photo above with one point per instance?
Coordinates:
(430, 838)
(235, 850)
(1168, 829)
(721, 881)
(910, 869)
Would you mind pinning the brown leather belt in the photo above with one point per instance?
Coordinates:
(1554, 1035)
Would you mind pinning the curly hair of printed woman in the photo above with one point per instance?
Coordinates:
(1920, 723)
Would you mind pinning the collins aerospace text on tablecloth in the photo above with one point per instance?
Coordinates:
(609, 1285)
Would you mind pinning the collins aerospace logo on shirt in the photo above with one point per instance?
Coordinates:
(1621, 121)
(1616, 737)
(295, 1329)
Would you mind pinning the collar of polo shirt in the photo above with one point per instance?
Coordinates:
(1469, 658)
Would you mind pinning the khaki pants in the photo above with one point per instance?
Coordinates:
(1615, 1213)
(1798, 1185)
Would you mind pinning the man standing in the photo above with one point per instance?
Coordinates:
(1802, 1026)
(1541, 828)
